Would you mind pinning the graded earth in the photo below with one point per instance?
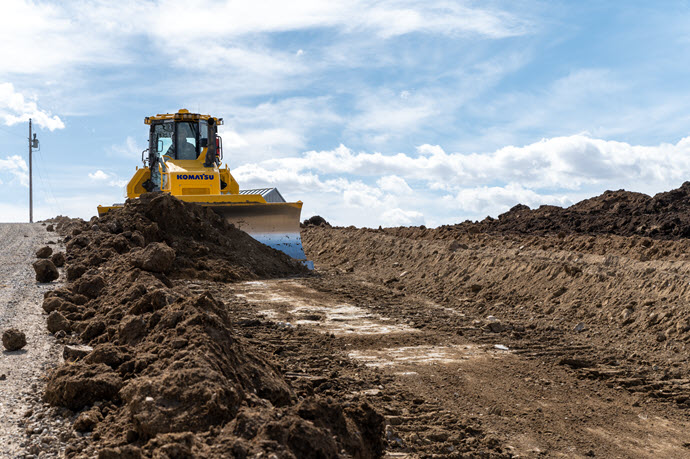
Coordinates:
(543, 333)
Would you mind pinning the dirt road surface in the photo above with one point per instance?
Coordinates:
(521, 337)
(20, 307)
(444, 393)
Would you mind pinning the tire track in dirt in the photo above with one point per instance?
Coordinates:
(521, 401)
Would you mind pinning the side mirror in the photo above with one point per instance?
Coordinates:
(204, 143)
(160, 145)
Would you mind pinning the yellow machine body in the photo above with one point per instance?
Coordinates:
(204, 182)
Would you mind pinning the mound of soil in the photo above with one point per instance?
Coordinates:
(316, 220)
(64, 225)
(204, 245)
(664, 216)
(168, 375)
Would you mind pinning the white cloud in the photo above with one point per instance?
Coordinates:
(231, 139)
(68, 34)
(263, 142)
(112, 179)
(261, 62)
(119, 183)
(361, 196)
(128, 149)
(400, 217)
(234, 44)
(98, 175)
(16, 166)
(451, 18)
(273, 129)
(14, 108)
(366, 188)
(390, 113)
(560, 162)
(494, 200)
(291, 181)
(43, 38)
(388, 19)
(394, 184)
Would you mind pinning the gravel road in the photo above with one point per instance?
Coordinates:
(21, 372)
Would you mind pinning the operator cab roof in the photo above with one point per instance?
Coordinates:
(181, 115)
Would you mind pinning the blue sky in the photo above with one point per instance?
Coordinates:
(372, 113)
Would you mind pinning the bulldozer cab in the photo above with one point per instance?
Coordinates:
(181, 136)
(179, 139)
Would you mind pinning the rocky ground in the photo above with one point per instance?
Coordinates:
(28, 427)
(531, 335)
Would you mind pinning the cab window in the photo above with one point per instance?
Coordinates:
(185, 140)
(163, 138)
(203, 132)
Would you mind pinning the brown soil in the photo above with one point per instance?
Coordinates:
(594, 331)
(545, 333)
(664, 216)
(168, 375)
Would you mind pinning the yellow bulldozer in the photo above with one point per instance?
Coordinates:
(184, 159)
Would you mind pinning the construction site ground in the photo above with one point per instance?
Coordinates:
(446, 381)
(469, 341)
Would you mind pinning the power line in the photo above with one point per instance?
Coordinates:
(50, 186)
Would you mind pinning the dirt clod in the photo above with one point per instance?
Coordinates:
(87, 420)
(57, 322)
(58, 259)
(72, 353)
(316, 220)
(80, 384)
(156, 257)
(663, 216)
(13, 339)
(44, 252)
(45, 270)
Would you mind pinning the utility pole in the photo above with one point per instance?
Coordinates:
(33, 143)
(31, 185)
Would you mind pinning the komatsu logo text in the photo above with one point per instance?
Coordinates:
(194, 177)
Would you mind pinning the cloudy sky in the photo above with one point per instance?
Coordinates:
(393, 112)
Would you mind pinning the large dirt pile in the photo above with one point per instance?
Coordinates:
(205, 246)
(64, 225)
(165, 374)
(664, 216)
